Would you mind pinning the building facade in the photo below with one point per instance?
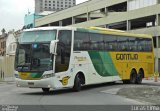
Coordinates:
(7, 61)
(53, 5)
(136, 16)
(11, 44)
(3, 39)
(29, 20)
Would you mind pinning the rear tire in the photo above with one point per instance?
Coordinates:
(133, 77)
(77, 84)
(139, 77)
(45, 90)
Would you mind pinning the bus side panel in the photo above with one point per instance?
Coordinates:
(107, 66)
(103, 69)
(100, 67)
(126, 61)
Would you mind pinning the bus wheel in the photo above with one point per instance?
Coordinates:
(46, 90)
(133, 77)
(139, 77)
(77, 83)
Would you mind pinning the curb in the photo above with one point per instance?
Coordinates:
(7, 80)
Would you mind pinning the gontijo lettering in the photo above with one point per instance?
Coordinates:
(126, 56)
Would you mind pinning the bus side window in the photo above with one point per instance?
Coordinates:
(110, 43)
(81, 41)
(132, 44)
(97, 42)
(122, 43)
(148, 45)
(141, 44)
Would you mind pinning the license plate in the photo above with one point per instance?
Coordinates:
(31, 83)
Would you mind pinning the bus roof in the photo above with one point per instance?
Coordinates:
(113, 32)
(49, 28)
(93, 30)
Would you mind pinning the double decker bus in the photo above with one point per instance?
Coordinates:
(67, 57)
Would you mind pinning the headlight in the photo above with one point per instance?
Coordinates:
(47, 76)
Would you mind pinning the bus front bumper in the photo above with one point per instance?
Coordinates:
(43, 83)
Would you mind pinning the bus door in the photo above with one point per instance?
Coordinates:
(63, 55)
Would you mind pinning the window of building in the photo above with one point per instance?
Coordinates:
(136, 4)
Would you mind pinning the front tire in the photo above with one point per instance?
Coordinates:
(77, 84)
(45, 90)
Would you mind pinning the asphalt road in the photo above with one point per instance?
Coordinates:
(90, 95)
(104, 94)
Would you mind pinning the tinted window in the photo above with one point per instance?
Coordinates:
(81, 41)
(96, 41)
(132, 44)
(144, 44)
(148, 45)
(122, 43)
(141, 44)
(110, 43)
(102, 42)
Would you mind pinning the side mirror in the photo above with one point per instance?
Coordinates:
(52, 46)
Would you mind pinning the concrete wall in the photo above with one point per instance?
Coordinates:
(80, 9)
(94, 5)
(6, 67)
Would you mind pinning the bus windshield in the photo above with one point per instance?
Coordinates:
(34, 57)
(33, 51)
(37, 36)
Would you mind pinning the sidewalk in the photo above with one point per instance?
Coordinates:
(7, 80)
(147, 92)
(151, 81)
